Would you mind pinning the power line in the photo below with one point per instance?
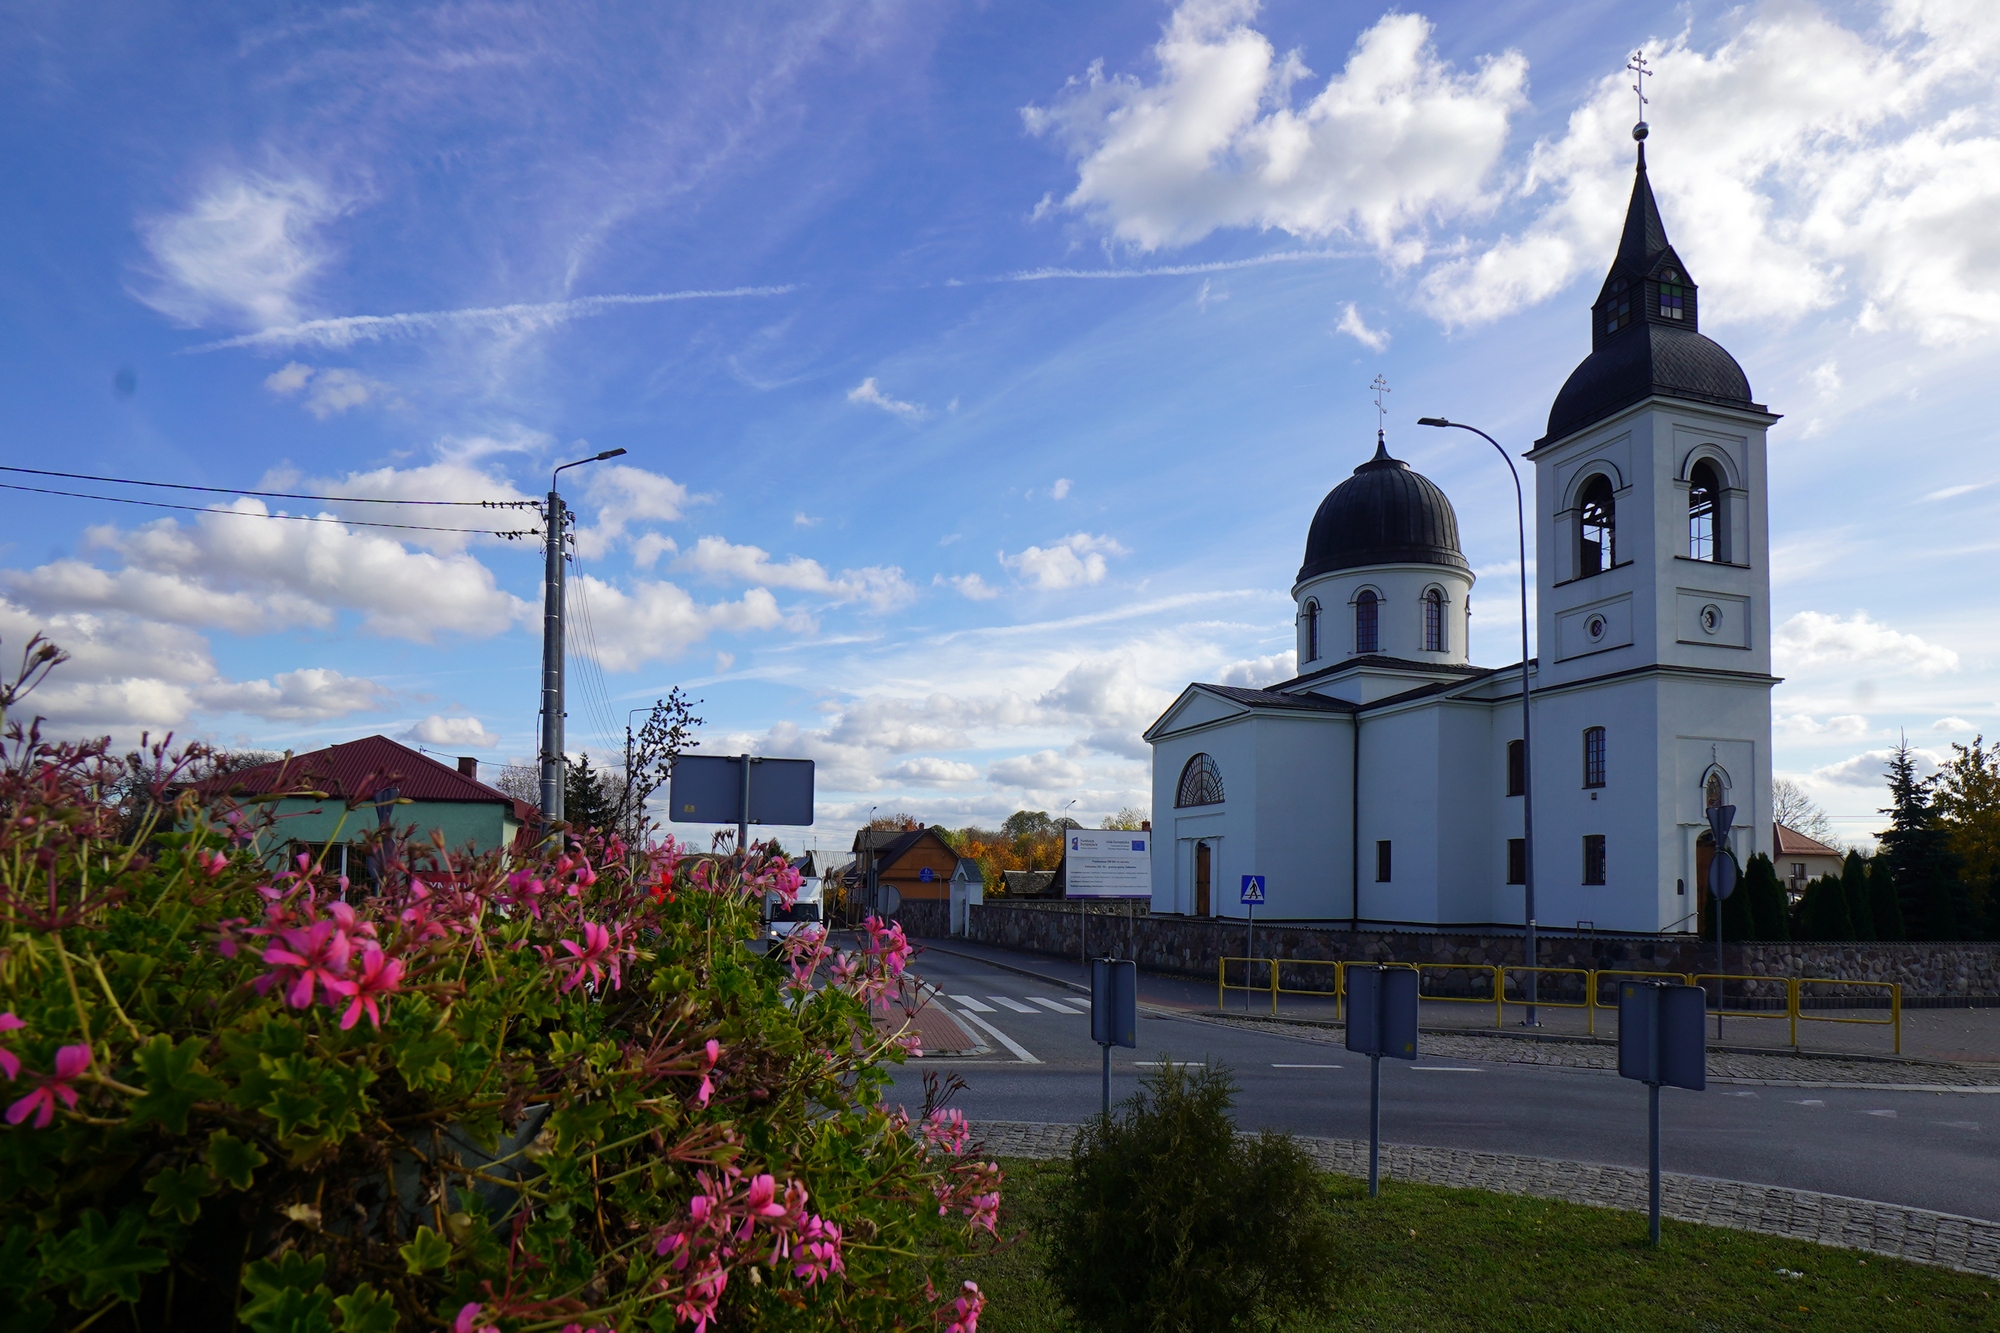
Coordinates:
(269, 495)
(238, 513)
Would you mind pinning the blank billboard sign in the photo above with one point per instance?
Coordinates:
(708, 789)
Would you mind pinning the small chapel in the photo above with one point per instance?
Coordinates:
(1384, 784)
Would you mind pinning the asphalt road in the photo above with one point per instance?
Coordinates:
(1923, 1149)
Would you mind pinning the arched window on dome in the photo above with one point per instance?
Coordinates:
(1434, 635)
(1673, 296)
(1201, 783)
(1705, 531)
(1597, 547)
(1312, 630)
(1367, 622)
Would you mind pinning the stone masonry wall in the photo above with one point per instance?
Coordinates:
(1938, 972)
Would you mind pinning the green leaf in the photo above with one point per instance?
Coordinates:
(108, 1258)
(287, 1296)
(232, 1159)
(429, 1250)
(31, 1316)
(175, 1081)
(180, 1191)
(366, 1310)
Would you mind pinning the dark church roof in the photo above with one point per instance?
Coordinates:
(1644, 331)
(1384, 514)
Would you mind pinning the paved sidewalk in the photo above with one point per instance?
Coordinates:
(1798, 1071)
(1945, 1240)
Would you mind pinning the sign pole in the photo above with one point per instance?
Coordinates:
(1250, 947)
(1653, 1160)
(1106, 1048)
(743, 814)
(1374, 1123)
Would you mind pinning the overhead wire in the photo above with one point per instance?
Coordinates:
(238, 513)
(269, 495)
(596, 690)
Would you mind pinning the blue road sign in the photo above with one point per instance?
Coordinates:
(926, 874)
(1253, 890)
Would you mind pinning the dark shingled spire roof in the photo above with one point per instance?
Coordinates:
(1384, 514)
(1644, 331)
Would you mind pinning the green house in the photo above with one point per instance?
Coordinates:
(389, 782)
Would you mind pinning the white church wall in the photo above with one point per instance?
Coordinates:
(1301, 841)
(1400, 618)
(1399, 804)
(1227, 826)
(1473, 825)
(1625, 811)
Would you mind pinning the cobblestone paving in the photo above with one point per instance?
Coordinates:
(1790, 1070)
(1967, 1244)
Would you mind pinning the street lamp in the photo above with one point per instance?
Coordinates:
(552, 647)
(1527, 771)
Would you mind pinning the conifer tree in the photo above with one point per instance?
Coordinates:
(1824, 914)
(1766, 895)
(1918, 850)
(1884, 901)
(1854, 883)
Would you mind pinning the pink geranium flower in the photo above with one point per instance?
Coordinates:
(314, 956)
(380, 976)
(589, 958)
(10, 1062)
(71, 1061)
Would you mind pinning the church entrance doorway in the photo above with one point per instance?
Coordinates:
(1204, 862)
(1704, 852)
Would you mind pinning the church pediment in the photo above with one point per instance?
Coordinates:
(1196, 707)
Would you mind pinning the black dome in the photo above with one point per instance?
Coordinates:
(1642, 361)
(1384, 514)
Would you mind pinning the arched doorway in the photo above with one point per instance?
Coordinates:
(1204, 865)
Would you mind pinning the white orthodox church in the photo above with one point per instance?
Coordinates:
(1384, 783)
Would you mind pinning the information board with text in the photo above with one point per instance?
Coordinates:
(1108, 863)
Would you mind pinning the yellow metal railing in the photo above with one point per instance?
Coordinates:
(1894, 1021)
(1791, 1009)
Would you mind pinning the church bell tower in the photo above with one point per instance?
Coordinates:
(1653, 579)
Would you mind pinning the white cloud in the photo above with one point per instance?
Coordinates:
(932, 769)
(1257, 672)
(1042, 771)
(455, 477)
(881, 587)
(1953, 492)
(1060, 491)
(724, 661)
(458, 733)
(1076, 560)
(506, 321)
(1951, 724)
(1871, 769)
(970, 586)
(311, 694)
(243, 250)
(1397, 138)
(1847, 726)
(254, 574)
(804, 520)
(1813, 639)
(867, 395)
(1799, 164)
(1357, 328)
(623, 496)
(328, 392)
(656, 622)
(647, 551)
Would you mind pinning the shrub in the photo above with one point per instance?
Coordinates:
(543, 1090)
(1167, 1219)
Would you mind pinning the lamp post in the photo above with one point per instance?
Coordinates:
(1528, 947)
(552, 647)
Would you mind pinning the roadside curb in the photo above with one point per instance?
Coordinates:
(1918, 1235)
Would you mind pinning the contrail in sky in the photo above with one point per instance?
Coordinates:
(1165, 271)
(347, 330)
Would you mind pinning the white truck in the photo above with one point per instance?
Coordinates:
(806, 909)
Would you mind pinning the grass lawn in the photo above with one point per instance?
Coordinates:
(1427, 1258)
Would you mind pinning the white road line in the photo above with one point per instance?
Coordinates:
(974, 1005)
(1887, 1114)
(1449, 1069)
(1015, 1005)
(1156, 1064)
(1020, 1051)
(1809, 1101)
(1056, 1005)
(1305, 1066)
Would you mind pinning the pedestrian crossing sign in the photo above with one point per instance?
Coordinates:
(1253, 890)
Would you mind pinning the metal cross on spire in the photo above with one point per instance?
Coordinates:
(1637, 64)
(1380, 386)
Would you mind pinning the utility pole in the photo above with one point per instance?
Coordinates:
(552, 646)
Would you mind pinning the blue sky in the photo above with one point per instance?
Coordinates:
(980, 366)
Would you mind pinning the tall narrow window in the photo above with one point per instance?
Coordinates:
(1704, 508)
(1517, 767)
(1593, 757)
(1617, 307)
(1382, 862)
(1434, 641)
(1593, 858)
(1517, 860)
(1312, 631)
(1673, 296)
(1201, 783)
(1599, 548)
(1711, 792)
(1367, 623)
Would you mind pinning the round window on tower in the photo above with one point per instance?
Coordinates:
(1711, 618)
(1593, 627)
